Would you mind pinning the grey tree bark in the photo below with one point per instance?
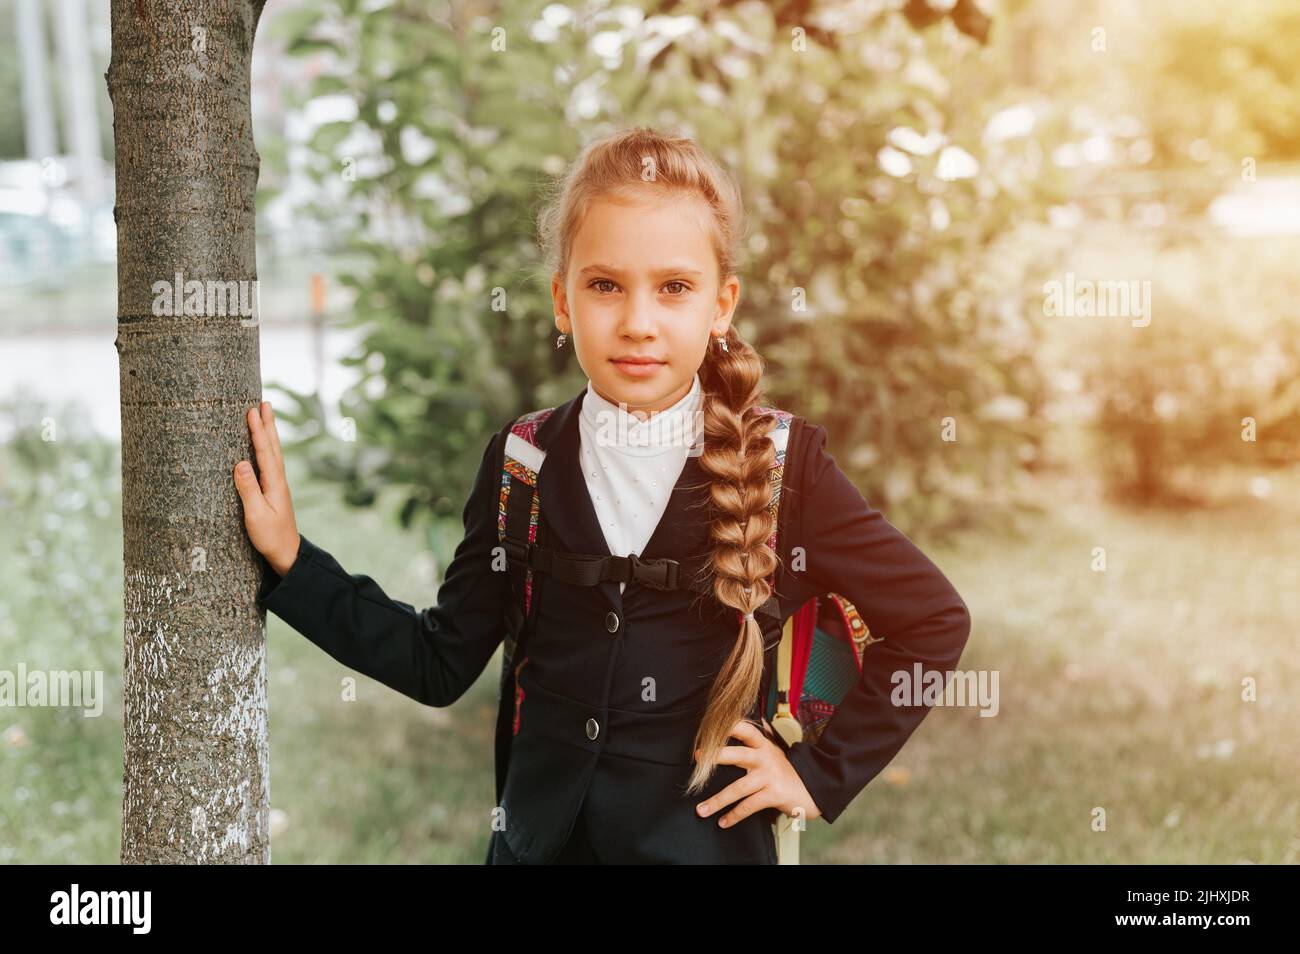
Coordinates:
(196, 776)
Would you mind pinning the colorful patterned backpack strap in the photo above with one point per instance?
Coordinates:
(784, 436)
(521, 465)
(518, 521)
(780, 436)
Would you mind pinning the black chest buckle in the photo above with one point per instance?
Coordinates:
(661, 574)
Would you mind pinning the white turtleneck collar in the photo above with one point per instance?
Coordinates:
(631, 466)
(674, 426)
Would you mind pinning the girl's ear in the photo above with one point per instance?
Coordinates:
(560, 299)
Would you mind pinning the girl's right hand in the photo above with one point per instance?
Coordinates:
(268, 508)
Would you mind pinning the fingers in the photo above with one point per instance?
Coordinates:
(747, 755)
(267, 448)
(268, 421)
(756, 802)
(737, 790)
(261, 439)
(748, 733)
(249, 490)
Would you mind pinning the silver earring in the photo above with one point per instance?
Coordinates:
(723, 342)
(559, 342)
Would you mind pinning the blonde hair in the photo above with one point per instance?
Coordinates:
(737, 453)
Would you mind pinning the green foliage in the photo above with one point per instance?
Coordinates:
(60, 611)
(1222, 350)
(1176, 96)
(60, 492)
(1225, 77)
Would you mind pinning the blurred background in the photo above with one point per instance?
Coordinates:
(1111, 492)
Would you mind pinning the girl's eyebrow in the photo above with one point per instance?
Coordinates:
(657, 273)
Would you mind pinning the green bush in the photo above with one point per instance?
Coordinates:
(1220, 352)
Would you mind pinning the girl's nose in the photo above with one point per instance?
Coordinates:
(638, 318)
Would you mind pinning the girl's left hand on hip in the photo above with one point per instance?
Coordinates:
(770, 781)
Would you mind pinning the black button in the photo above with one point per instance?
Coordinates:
(611, 621)
(593, 728)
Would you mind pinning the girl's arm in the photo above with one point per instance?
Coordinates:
(432, 655)
(854, 551)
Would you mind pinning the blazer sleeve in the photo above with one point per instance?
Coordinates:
(852, 550)
(432, 655)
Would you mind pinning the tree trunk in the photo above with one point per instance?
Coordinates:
(196, 777)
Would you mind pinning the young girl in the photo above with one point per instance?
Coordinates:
(638, 733)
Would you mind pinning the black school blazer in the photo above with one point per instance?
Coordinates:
(433, 655)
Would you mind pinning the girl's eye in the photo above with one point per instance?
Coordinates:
(595, 283)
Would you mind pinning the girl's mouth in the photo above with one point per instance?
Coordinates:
(637, 369)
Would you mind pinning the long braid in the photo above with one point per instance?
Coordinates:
(738, 456)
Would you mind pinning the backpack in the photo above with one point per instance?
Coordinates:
(819, 658)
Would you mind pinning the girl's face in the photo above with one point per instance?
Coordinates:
(643, 283)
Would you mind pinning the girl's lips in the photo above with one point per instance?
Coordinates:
(638, 369)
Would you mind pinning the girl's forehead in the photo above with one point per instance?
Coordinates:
(643, 233)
